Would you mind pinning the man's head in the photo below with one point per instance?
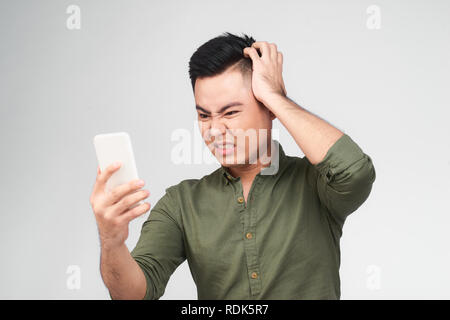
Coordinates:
(221, 79)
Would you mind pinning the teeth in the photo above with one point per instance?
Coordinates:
(226, 146)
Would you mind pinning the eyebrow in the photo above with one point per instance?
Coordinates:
(229, 105)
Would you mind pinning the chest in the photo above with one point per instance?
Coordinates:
(226, 237)
(246, 186)
(215, 220)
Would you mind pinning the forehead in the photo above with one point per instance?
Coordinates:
(214, 92)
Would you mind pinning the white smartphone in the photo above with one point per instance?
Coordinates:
(112, 147)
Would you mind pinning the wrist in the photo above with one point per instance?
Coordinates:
(274, 100)
(108, 246)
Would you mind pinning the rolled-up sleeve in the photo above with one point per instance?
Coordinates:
(344, 178)
(160, 248)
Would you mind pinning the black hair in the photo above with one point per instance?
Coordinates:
(216, 55)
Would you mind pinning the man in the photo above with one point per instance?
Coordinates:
(262, 226)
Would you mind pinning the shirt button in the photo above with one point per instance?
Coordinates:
(254, 275)
(240, 199)
(249, 235)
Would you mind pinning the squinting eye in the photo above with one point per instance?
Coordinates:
(230, 113)
(203, 116)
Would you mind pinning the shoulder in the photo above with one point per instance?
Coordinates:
(298, 170)
(296, 164)
(181, 195)
(188, 187)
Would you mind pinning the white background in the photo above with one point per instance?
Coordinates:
(126, 69)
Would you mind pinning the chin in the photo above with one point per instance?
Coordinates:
(231, 161)
(227, 162)
(229, 165)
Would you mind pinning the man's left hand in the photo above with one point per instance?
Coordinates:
(267, 79)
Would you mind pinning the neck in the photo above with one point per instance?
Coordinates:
(247, 172)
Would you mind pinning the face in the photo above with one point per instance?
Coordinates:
(234, 125)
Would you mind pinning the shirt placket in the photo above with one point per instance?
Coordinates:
(248, 220)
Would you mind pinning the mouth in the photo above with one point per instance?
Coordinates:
(224, 148)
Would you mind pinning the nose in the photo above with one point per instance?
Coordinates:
(216, 128)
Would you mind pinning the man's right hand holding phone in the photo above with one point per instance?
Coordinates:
(120, 272)
(112, 209)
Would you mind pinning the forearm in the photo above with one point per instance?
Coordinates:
(313, 135)
(121, 274)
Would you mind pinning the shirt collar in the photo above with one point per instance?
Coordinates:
(278, 162)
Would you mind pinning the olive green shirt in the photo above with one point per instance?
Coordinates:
(282, 244)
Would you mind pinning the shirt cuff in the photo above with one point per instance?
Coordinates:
(149, 290)
(341, 155)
